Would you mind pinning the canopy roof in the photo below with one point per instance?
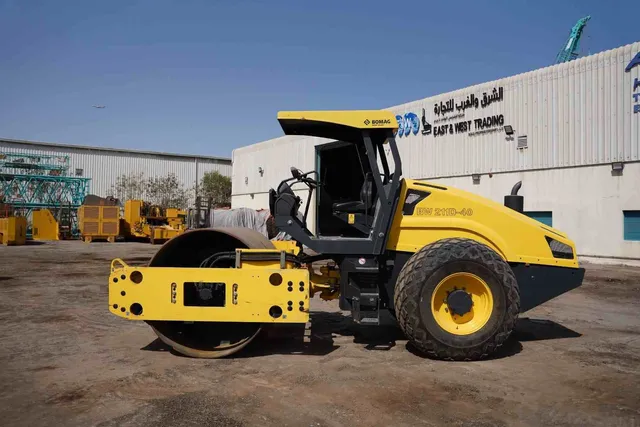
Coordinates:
(340, 125)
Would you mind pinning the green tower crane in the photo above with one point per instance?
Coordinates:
(570, 50)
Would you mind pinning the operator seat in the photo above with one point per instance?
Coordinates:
(367, 198)
(283, 201)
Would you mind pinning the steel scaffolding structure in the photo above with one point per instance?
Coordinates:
(34, 181)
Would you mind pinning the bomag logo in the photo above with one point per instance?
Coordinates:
(381, 122)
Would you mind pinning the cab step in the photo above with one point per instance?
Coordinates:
(365, 308)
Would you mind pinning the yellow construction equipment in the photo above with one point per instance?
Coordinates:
(99, 218)
(176, 218)
(44, 225)
(455, 269)
(99, 223)
(13, 230)
(143, 220)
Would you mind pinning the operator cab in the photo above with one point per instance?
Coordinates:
(348, 195)
(358, 216)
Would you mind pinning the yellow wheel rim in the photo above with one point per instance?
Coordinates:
(466, 285)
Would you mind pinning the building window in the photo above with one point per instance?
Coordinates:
(544, 217)
(631, 225)
(79, 172)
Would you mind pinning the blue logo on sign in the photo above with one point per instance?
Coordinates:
(408, 124)
(400, 120)
(635, 61)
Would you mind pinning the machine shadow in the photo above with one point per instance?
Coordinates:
(508, 349)
(158, 345)
(528, 329)
(317, 337)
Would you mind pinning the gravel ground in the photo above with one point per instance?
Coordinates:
(65, 361)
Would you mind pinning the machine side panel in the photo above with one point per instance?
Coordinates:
(449, 212)
(237, 295)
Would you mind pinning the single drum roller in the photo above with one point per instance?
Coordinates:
(455, 269)
(191, 249)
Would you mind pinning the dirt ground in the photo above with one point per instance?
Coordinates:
(65, 361)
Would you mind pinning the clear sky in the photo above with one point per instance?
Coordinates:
(205, 77)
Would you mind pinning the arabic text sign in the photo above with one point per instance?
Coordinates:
(471, 102)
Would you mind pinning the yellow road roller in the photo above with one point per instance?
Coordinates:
(454, 269)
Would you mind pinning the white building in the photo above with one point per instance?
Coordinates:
(105, 165)
(569, 132)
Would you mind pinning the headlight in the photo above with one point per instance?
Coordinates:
(412, 199)
(559, 249)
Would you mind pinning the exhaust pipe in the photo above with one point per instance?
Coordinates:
(513, 200)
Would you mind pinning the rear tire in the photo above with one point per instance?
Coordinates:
(441, 268)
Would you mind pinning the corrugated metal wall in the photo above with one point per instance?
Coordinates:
(104, 166)
(573, 114)
(275, 158)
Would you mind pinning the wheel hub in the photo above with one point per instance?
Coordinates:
(459, 302)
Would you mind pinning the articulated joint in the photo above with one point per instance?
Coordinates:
(327, 282)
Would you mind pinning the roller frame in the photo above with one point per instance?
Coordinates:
(160, 293)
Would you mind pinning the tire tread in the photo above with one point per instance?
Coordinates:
(421, 265)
